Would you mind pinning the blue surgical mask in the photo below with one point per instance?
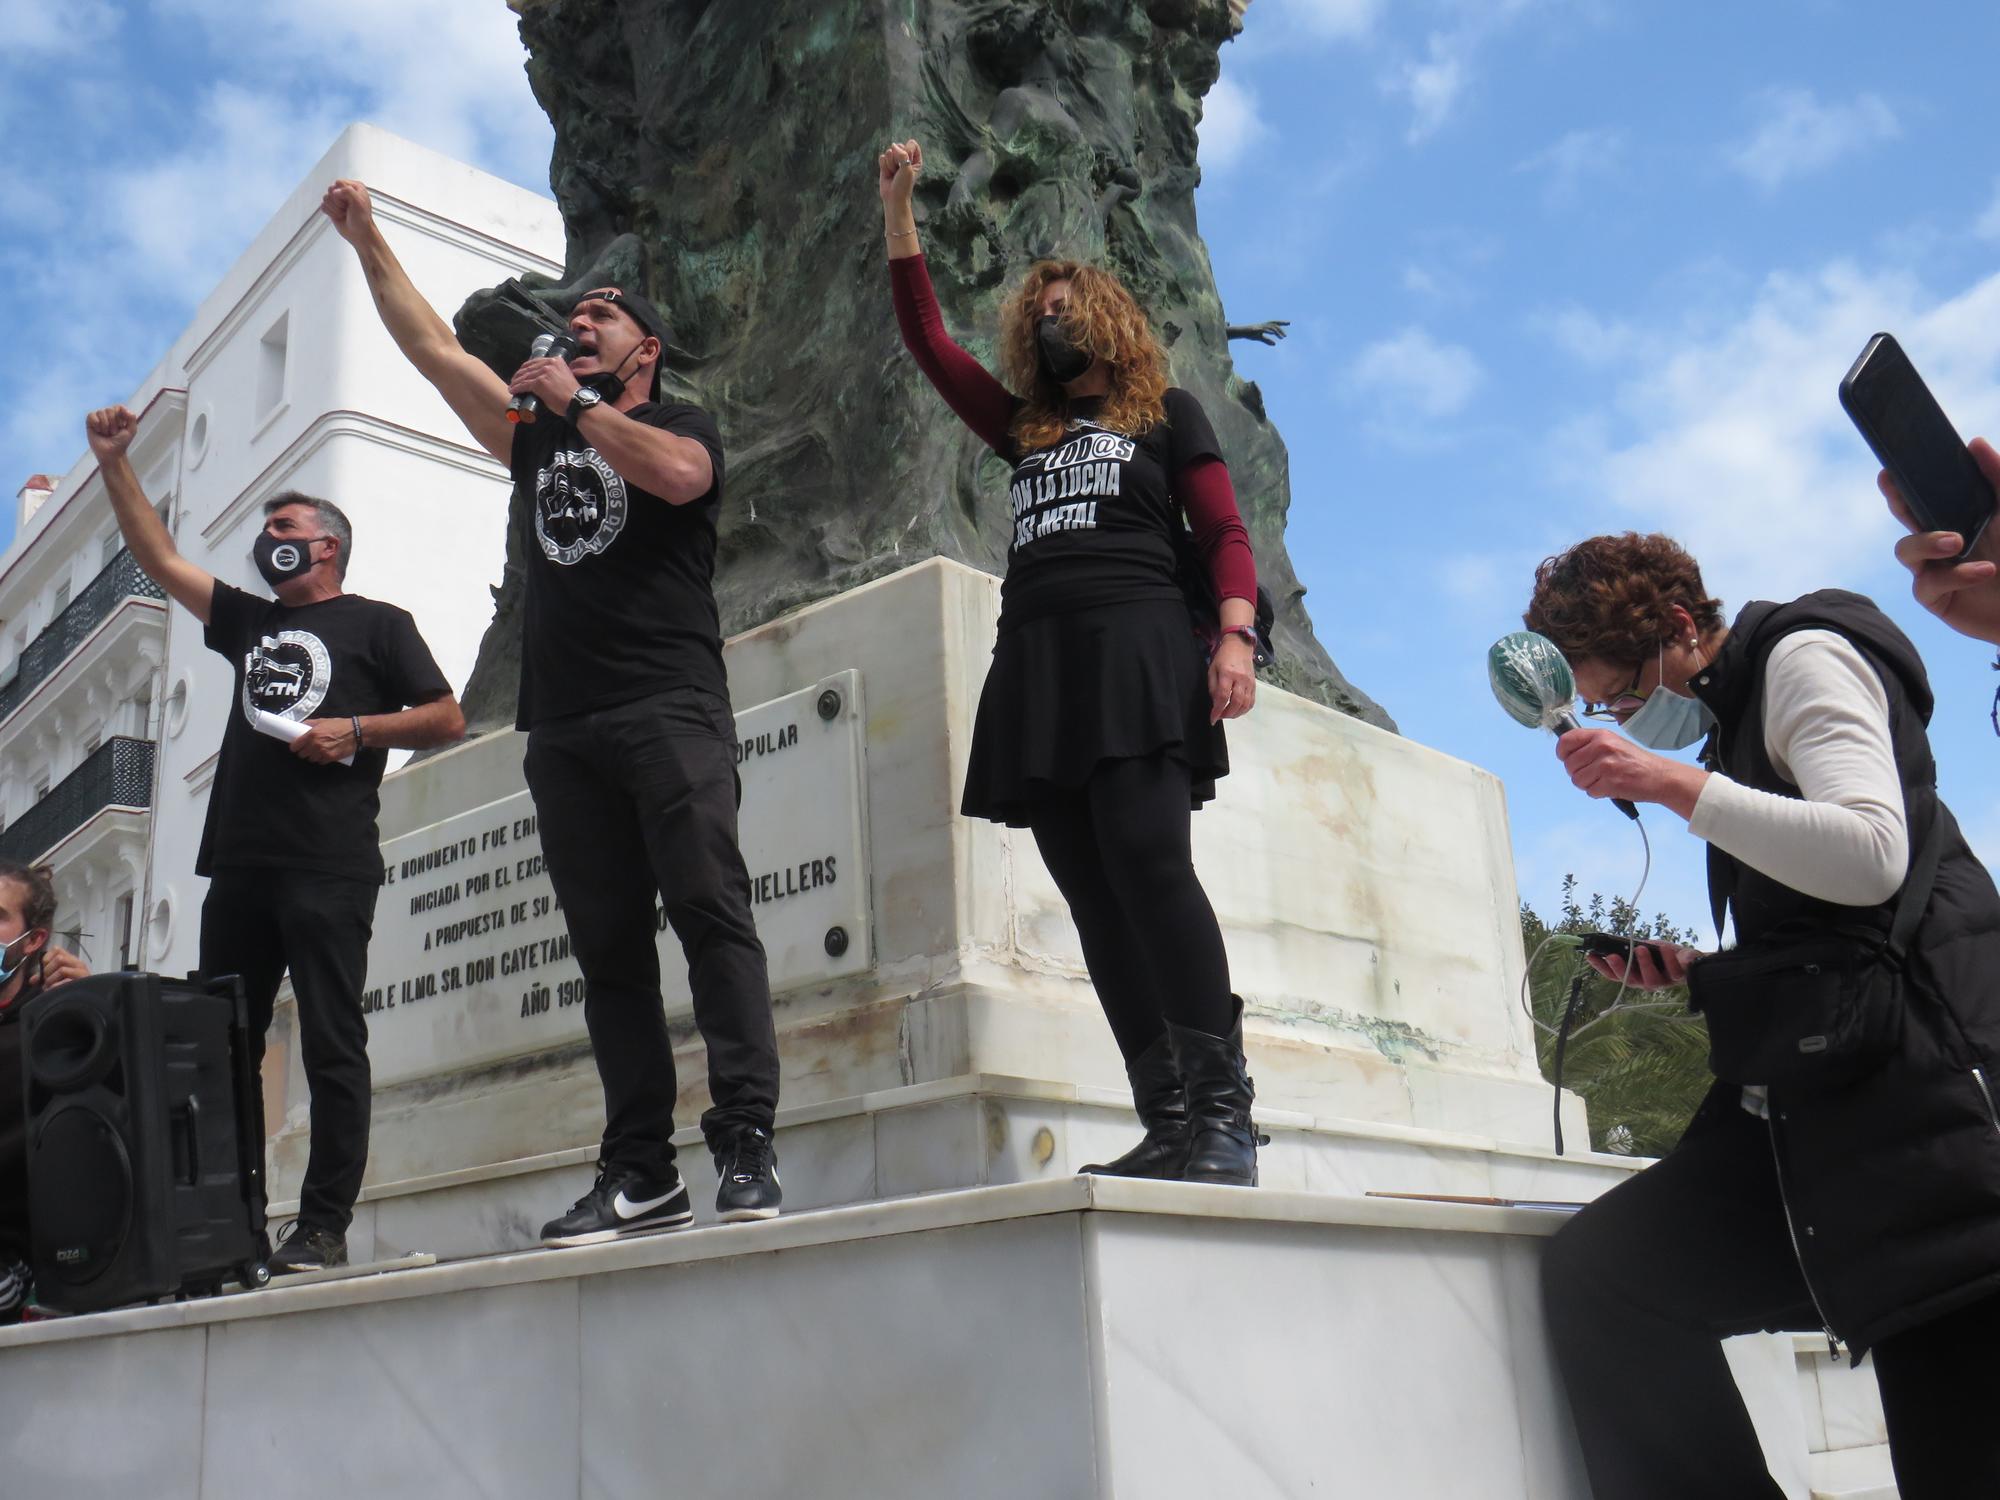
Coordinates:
(10, 963)
(1668, 720)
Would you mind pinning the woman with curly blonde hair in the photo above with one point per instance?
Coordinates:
(1100, 725)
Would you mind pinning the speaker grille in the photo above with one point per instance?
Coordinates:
(80, 1197)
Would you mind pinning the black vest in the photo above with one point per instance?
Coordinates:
(1733, 688)
(1893, 1184)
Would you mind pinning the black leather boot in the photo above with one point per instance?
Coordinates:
(1223, 1147)
(1162, 1104)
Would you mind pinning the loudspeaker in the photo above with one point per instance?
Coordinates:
(145, 1140)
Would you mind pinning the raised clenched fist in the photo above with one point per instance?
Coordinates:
(898, 168)
(110, 431)
(346, 203)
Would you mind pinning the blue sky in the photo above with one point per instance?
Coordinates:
(1553, 267)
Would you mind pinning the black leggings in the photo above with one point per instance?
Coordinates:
(1118, 848)
(1641, 1287)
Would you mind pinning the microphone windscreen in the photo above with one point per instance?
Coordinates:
(1531, 679)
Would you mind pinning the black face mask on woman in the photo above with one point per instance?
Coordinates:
(1061, 360)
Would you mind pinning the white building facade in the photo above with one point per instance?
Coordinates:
(111, 707)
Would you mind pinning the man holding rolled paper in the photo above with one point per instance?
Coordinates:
(327, 683)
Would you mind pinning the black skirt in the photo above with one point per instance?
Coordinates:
(1067, 691)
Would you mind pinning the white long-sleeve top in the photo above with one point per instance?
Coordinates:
(1826, 729)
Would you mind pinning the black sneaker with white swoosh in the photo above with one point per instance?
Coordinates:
(746, 1171)
(620, 1203)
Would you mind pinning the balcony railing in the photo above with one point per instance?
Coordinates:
(118, 773)
(120, 579)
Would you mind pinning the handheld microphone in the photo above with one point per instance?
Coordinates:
(527, 406)
(1534, 683)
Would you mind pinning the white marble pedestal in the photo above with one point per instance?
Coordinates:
(1364, 884)
(1071, 1340)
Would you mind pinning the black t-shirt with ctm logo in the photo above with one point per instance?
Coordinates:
(330, 660)
(1095, 514)
(620, 598)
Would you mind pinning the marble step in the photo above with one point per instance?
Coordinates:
(977, 1130)
(1853, 1474)
(1076, 1339)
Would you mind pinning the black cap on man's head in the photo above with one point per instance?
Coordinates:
(635, 306)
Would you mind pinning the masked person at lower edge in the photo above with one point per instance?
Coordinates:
(1100, 722)
(28, 966)
(326, 684)
(1869, 1208)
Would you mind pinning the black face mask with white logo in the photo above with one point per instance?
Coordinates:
(282, 558)
(1061, 360)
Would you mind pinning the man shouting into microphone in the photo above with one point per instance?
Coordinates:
(631, 758)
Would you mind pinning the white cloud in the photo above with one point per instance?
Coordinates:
(36, 30)
(443, 72)
(1414, 374)
(1333, 20)
(1988, 225)
(176, 222)
(1798, 135)
(1230, 124)
(1727, 433)
(1432, 86)
(1449, 265)
(155, 194)
(1435, 84)
(1590, 339)
(1572, 159)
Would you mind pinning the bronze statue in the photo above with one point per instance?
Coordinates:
(716, 148)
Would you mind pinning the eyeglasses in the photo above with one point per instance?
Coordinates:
(1629, 702)
(1996, 699)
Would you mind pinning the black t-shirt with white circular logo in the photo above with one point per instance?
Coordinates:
(620, 597)
(1095, 514)
(329, 660)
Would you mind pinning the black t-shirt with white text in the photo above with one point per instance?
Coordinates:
(328, 660)
(620, 597)
(1095, 514)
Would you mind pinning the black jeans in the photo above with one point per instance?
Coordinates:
(1119, 850)
(1643, 1284)
(636, 801)
(257, 923)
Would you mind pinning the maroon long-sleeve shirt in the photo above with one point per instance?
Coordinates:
(1201, 484)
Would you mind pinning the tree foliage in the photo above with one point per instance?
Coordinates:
(1639, 1060)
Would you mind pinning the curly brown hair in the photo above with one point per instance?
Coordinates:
(1611, 597)
(1101, 316)
(38, 892)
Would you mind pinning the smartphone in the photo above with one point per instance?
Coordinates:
(1940, 480)
(1610, 945)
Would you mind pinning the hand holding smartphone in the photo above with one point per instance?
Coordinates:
(1643, 963)
(1940, 481)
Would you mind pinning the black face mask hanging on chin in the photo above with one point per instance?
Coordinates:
(609, 383)
(1060, 358)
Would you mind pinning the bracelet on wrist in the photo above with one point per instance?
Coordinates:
(900, 234)
(357, 731)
